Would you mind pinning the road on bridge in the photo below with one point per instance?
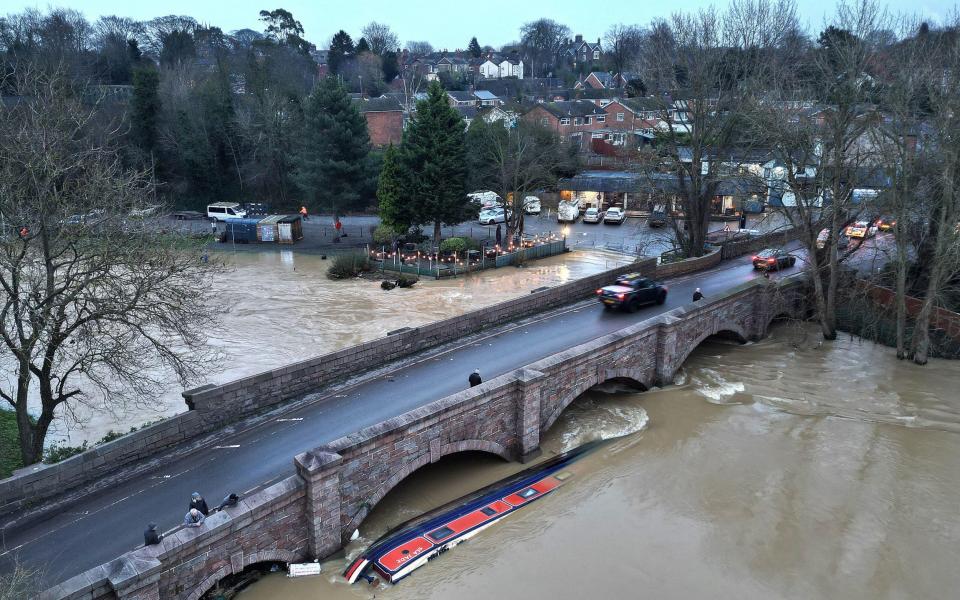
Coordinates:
(104, 525)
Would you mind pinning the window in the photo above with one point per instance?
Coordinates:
(601, 118)
(545, 122)
(488, 511)
(587, 120)
(596, 55)
(565, 121)
(597, 136)
(438, 534)
(620, 117)
(528, 493)
(577, 121)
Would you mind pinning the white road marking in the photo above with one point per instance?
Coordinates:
(291, 419)
(224, 447)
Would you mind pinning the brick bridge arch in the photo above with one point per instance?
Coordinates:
(738, 333)
(555, 408)
(230, 568)
(410, 467)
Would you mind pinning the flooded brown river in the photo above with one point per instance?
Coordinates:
(781, 469)
(279, 308)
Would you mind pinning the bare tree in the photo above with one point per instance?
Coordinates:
(514, 162)
(543, 41)
(380, 37)
(622, 46)
(419, 48)
(96, 309)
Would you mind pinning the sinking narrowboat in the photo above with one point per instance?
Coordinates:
(410, 545)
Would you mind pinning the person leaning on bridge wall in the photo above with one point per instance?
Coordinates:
(193, 518)
(197, 502)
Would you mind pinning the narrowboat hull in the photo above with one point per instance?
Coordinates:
(412, 544)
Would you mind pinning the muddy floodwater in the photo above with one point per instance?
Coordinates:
(279, 308)
(781, 469)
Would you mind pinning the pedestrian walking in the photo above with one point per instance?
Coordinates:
(475, 378)
(499, 236)
(151, 536)
(193, 518)
(197, 502)
(213, 227)
(303, 213)
(697, 295)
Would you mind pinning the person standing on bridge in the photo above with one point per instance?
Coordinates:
(475, 378)
(193, 518)
(697, 295)
(197, 502)
(151, 536)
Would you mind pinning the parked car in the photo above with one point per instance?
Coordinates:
(568, 212)
(225, 211)
(842, 240)
(861, 230)
(658, 218)
(614, 216)
(531, 205)
(485, 199)
(592, 215)
(770, 259)
(885, 224)
(496, 214)
(631, 291)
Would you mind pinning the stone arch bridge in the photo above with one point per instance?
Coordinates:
(312, 514)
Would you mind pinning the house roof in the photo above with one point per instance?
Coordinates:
(485, 95)
(382, 104)
(603, 77)
(462, 96)
(572, 108)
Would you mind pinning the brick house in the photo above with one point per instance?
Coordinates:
(461, 98)
(571, 119)
(582, 53)
(384, 119)
(597, 80)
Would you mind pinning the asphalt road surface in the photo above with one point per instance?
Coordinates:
(103, 526)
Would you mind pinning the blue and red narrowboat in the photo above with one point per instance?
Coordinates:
(410, 545)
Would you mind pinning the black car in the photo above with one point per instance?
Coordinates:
(769, 260)
(658, 218)
(631, 291)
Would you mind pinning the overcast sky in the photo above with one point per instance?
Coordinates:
(445, 24)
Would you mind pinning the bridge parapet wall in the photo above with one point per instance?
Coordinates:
(267, 526)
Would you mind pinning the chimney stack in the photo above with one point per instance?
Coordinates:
(579, 38)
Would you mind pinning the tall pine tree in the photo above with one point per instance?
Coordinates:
(333, 165)
(474, 48)
(145, 108)
(393, 193)
(434, 154)
(341, 49)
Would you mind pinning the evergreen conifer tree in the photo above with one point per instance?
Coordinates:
(333, 166)
(393, 188)
(474, 48)
(341, 48)
(434, 155)
(145, 108)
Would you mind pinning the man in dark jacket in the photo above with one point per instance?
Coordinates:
(151, 536)
(197, 502)
(475, 378)
(230, 500)
(697, 295)
(499, 236)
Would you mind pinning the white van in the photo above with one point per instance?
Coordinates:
(531, 205)
(485, 199)
(225, 211)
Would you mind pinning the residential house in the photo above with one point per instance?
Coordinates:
(500, 68)
(582, 53)
(458, 98)
(573, 120)
(596, 80)
(487, 98)
(384, 117)
(498, 114)
(468, 113)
